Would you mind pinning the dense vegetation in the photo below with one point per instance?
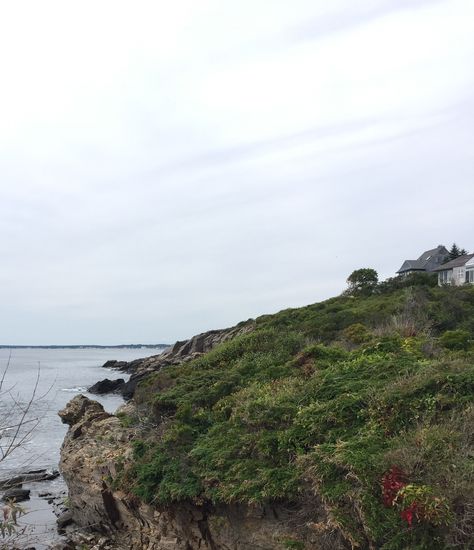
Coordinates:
(366, 399)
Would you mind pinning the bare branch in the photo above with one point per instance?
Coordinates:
(24, 426)
(2, 379)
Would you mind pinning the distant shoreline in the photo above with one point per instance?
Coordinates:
(90, 346)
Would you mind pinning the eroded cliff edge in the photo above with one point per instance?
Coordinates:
(94, 450)
(97, 446)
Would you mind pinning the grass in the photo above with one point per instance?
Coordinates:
(328, 396)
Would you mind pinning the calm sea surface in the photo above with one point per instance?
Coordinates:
(63, 373)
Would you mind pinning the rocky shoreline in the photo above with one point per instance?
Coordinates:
(40, 496)
(101, 517)
(98, 444)
(46, 496)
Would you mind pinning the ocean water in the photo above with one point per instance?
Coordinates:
(48, 378)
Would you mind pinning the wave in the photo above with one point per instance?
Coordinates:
(75, 390)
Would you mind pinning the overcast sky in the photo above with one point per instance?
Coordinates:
(171, 167)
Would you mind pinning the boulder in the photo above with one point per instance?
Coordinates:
(81, 407)
(128, 389)
(16, 494)
(116, 365)
(64, 520)
(33, 475)
(107, 386)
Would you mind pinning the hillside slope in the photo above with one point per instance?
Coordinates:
(347, 423)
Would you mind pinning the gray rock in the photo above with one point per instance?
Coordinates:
(16, 494)
(64, 520)
(114, 364)
(128, 389)
(80, 407)
(122, 366)
(30, 476)
(107, 386)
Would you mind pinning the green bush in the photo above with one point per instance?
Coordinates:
(356, 333)
(429, 280)
(456, 339)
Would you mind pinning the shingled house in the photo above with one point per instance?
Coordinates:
(457, 272)
(428, 261)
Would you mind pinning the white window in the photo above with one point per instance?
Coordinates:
(445, 277)
(469, 275)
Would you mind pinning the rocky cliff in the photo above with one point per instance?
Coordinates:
(180, 352)
(96, 447)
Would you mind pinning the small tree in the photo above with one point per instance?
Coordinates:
(362, 281)
(455, 252)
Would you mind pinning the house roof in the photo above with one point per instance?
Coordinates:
(428, 261)
(409, 265)
(457, 262)
(440, 249)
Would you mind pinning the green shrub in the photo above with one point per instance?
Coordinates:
(356, 333)
(456, 339)
(420, 280)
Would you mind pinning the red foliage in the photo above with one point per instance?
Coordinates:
(408, 513)
(392, 482)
